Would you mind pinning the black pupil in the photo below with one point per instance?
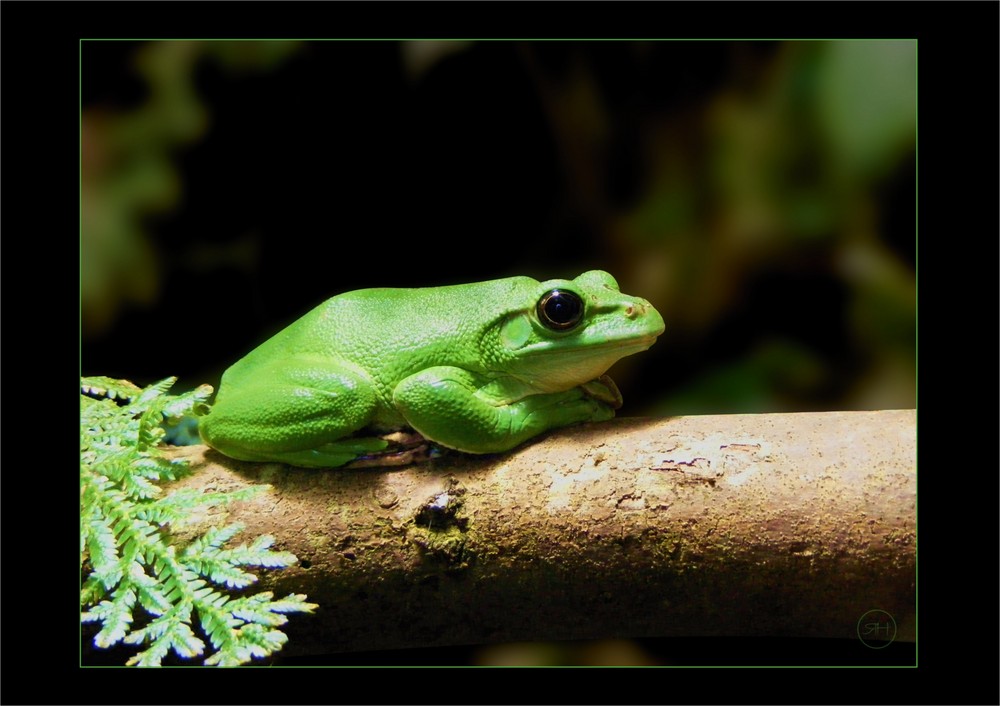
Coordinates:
(560, 310)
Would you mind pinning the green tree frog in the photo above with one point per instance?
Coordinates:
(476, 367)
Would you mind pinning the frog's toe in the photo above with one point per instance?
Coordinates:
(604, 390)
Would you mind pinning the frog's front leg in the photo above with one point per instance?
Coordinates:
(465, 411)
(295, 412)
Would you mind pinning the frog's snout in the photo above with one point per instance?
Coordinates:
(640, 309)
(637, 308)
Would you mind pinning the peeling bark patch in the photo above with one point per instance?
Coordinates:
(670, 464)
(750, 448)
(441, 512)
(740, 461)
(631, 501)
(694, 470)
(712, 458)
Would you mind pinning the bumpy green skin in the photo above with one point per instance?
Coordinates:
(471, 367)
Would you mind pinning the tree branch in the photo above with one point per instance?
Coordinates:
(741, 525)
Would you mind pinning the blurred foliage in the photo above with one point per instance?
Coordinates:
(781, 182)
(588, 653)
(128, 170)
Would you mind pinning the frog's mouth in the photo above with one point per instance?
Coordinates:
(555, 368)
(626, 345)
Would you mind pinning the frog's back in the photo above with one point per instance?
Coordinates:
(389, 332)
(426, 326)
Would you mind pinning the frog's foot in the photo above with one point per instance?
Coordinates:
(539, 413)
(406, 457)
(403, 448)
(603, 389)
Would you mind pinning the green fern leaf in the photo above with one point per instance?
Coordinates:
(109, 388)
(150, 432)
(185, 643)
(158, 649)
(153, 601)
(261, 642)
(222, 572)
(293, 603)
(152, 657)
(155, 468)
(125, 558)
(149, 394)
(258, 554)
(92, 591)
(228, 658)
(213, 538)
(101, 546)
(181, 404)
(116, 615)
(171, 633)
(249, 641)
(137, 487)
(157, 514)
(217, 625)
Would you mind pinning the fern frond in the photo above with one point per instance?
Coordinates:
(256, 609)
(182, 404)
(109, 388)
(213, 538)
(150, 432)
(171, 631)
(165, 469)
(292, 603)
(153, 468)
(127, 562)
(147, 588)
(259, 554)
(160, 514)
(121, 468)
(187, 499)
(153, 656)
(116, 615)
(102, 551)
(251, 641)
(154, 391)
(220, 565)
(225, 574)
(92, 591)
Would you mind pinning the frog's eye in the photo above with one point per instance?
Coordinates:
(560, 309)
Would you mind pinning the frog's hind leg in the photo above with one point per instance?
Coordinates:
(303, 419)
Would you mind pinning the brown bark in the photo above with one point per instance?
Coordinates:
(745, 525)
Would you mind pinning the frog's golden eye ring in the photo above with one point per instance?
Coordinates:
(560, 309)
